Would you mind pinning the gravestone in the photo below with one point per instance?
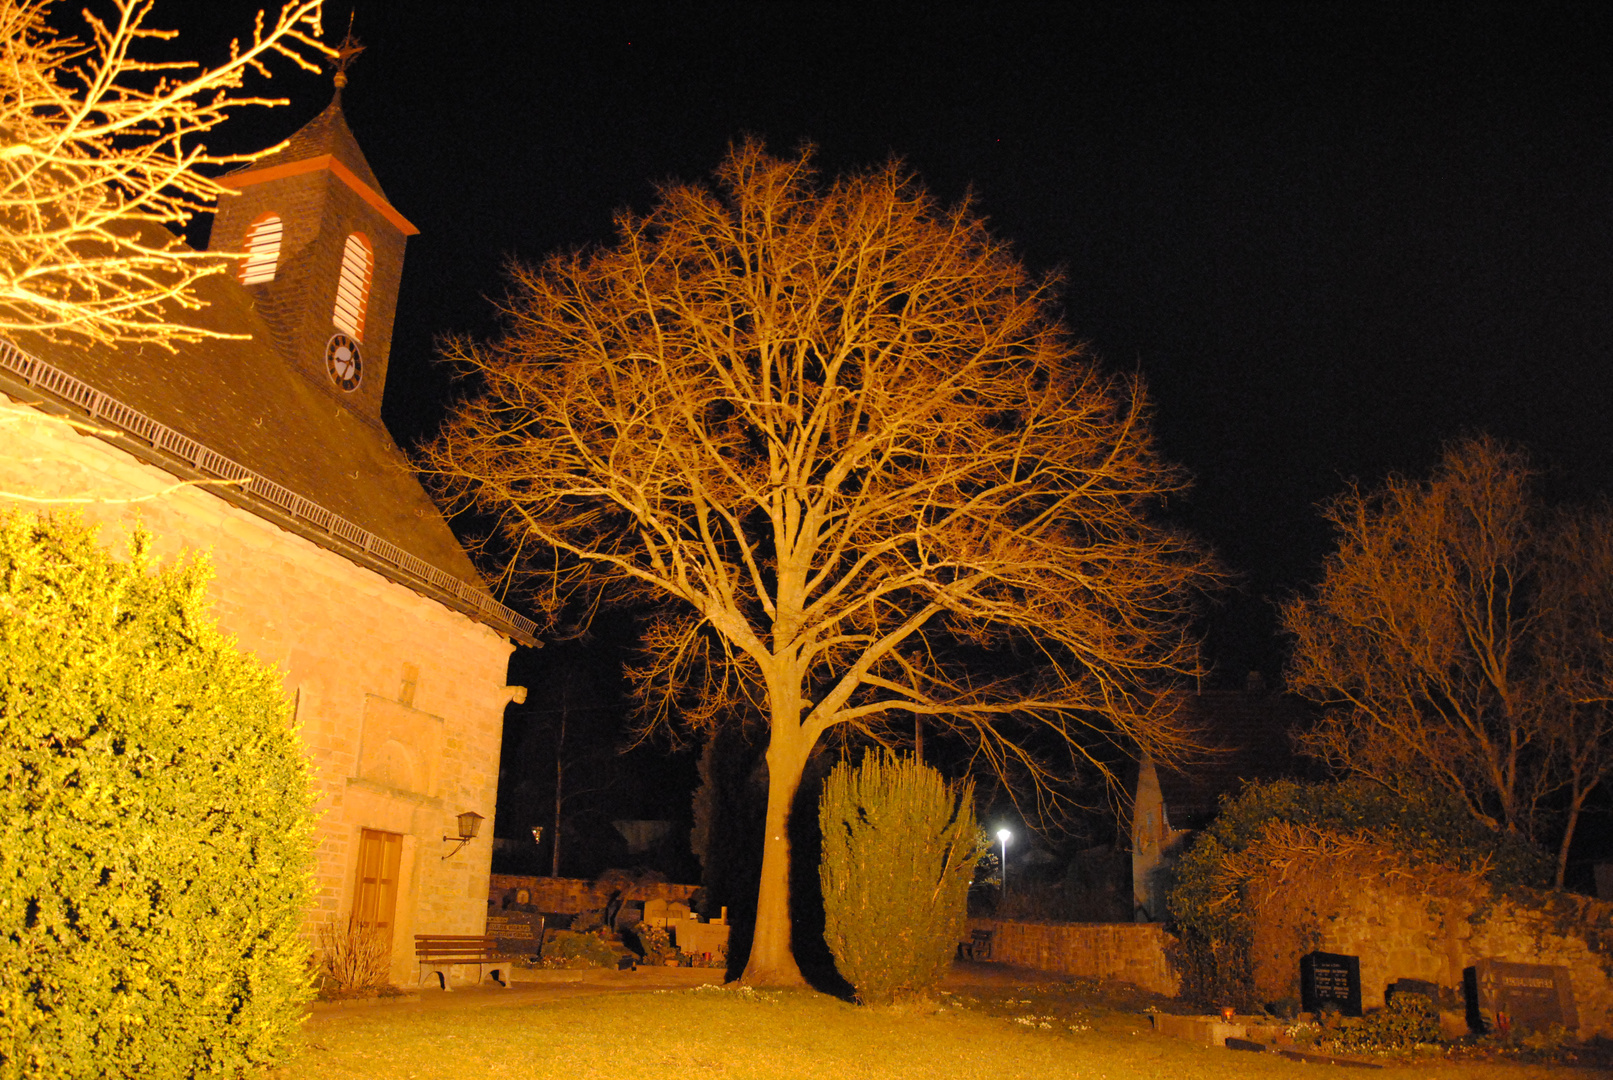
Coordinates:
(1330, 979)
(1435, 993)
(1503, 996)
(517, 932)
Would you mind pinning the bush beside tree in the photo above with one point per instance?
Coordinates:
(155, 822)
(899, 849)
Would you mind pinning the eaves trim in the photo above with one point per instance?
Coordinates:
(239, 180)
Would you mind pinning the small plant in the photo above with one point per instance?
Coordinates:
(354, 956)
(569, 949)
(586, 922)
(1407, 1020)
(656, 943)
(899, 849)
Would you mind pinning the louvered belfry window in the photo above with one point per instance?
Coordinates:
(353, 287)
(262, 250)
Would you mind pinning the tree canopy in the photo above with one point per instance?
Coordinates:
(841, 443)
(1462, 637)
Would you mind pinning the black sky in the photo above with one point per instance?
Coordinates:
(1329, 238)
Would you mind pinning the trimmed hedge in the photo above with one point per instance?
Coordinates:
(155, 822)
(899, 850)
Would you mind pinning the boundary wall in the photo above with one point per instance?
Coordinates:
(568, 896)
(1127, 952)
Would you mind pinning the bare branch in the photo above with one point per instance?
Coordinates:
(1458, 639)
(100, 155)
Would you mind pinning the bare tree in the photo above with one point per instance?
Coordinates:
(1578, 590)
(1447, 640)
(847, 445)
(99, 155)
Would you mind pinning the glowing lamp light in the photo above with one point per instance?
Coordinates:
(1002, 838)
(470, 823)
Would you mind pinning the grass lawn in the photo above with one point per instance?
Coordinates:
(977, 1032)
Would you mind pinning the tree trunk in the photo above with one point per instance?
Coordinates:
(1575, 804)
(772, 962)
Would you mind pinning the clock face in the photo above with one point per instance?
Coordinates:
(343, 362)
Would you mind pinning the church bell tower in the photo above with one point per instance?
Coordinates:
(324, 254)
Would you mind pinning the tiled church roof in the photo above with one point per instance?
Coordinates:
(326, 133)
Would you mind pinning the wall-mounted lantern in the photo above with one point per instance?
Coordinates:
(470, 823)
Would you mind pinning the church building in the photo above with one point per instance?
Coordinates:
(330, 562)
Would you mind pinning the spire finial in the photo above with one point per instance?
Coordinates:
(347, 51)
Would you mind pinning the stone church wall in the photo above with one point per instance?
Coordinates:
(1426, 924)
(400, 699)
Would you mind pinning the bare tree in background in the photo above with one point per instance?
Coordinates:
(847, 446)
(1578, 587)
(1453, 642)
(100, 156)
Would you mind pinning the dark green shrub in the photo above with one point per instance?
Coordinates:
(568, 948)
(1213, 974)
(1405, 1021)
(899, 849)
(155, 822)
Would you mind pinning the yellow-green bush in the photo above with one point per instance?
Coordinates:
(155, 822)
(899, 849)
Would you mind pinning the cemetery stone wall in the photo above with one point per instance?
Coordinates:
(1128, 952)
(1428, 925)
(572, 895)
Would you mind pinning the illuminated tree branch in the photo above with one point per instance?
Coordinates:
(100, 157)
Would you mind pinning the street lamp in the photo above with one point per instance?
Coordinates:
(1002, 838)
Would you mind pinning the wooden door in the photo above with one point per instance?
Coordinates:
(375, 896)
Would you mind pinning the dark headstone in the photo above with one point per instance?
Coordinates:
(518, 933)
(1330, 979)
(1502, 996)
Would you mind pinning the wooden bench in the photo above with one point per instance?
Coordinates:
(978, 947)
(438, 953)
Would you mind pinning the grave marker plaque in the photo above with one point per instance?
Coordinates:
(1519, 997)
(516, 932)
(1330, 979)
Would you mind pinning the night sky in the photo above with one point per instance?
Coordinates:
(1329, 239)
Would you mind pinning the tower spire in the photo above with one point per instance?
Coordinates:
(347, 51)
